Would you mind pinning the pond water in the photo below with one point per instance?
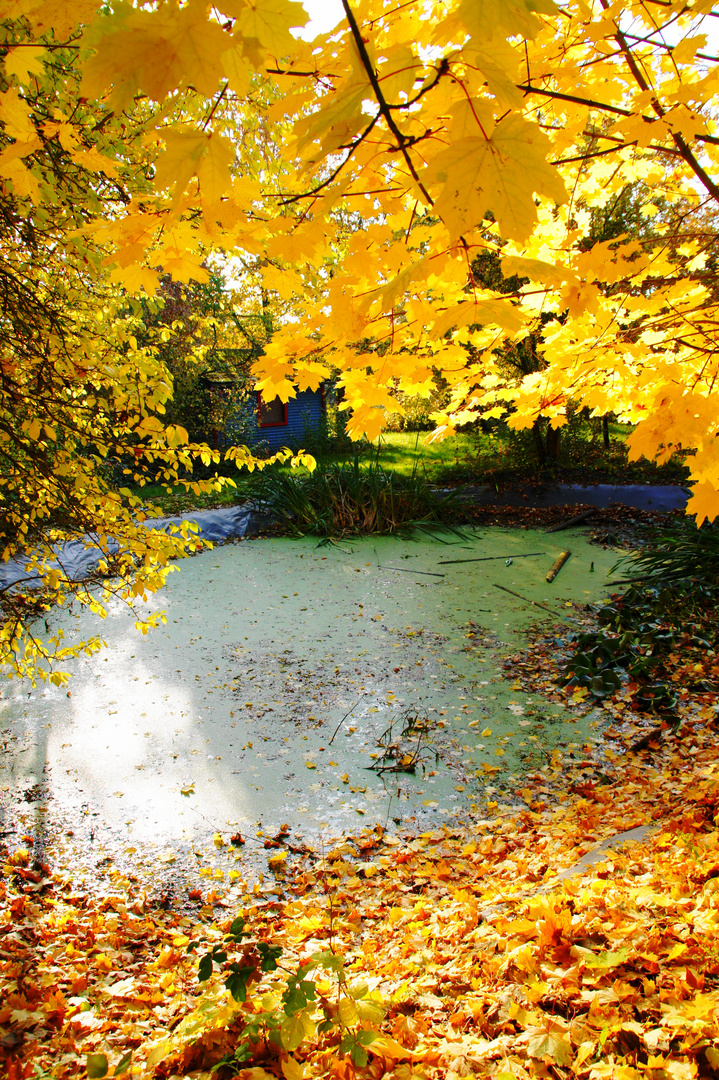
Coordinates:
(281, 670)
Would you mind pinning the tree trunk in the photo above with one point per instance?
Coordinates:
(552, 442)
(605, 431)
(539, 441)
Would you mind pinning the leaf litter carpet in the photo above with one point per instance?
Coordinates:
(451, 953)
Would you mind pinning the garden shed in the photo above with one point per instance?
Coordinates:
(241, 414)
(292, 423)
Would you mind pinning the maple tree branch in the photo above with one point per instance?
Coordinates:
(388, 14)
(602, 106)
(672, 150)
(658, 108)
(438, 73)
(684, 10)
(663, 44)
(306, 74)
(575, 99)
(8, 47)
(402, 141)
(215, 105)
(335, 172)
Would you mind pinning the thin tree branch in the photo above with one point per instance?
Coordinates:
(335, 172)
(678, 139)
(402, 141)
(215, 105)
(602, 106)
(613, 150)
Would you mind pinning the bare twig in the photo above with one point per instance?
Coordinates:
(407, 570)
(403, 141)
(344, 718)
(490, 558)
(576, 520)
(526, 600)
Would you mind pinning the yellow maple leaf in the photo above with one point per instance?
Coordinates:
(267, 21)
(501, 173)
(283, 280)
(213, 170)
(24, 183)
(397, 71)
(135, 276)
(182, 265)
(95, 161)
(189, 152)
(155, 52)
(236, 71)
(25, 62)
(482, 312)
(504, 18)
(61, 16)
(18, 150)
(200, 44)
(550, 1045)
(497, 61)
(292, 1070)
(704, 502)
(368, 421)
(536, 270)
(15, 116)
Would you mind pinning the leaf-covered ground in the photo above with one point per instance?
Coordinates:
(446, 954)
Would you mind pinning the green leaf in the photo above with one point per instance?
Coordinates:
(608, 959)
(299, 992)
(237, 929)
(236, 982)
(123, 1064)
(269, 954)
(204, 969)
(354, 1045)
(330, 961)
(371, 1012)
(96, 1065)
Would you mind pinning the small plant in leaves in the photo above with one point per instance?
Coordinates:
(303, 1006)
(238, 973)
(403, 752)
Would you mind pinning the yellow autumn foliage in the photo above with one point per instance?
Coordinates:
(361, 176)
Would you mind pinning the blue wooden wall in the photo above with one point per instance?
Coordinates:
(305, 413)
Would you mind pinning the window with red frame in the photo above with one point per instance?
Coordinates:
(271, 413)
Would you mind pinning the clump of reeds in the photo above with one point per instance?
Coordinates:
(339, 500)
(683, 553)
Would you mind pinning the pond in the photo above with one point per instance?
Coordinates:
(279, 685)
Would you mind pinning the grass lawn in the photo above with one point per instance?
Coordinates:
(500, 459)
